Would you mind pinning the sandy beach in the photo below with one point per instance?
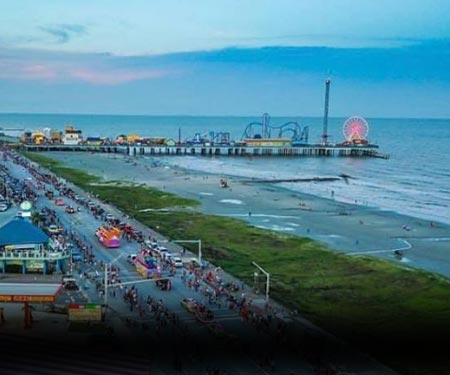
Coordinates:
(348, 228)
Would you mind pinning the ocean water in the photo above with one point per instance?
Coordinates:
(414, 181)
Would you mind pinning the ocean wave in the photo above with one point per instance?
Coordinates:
(232, 201)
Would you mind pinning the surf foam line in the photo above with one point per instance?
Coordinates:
(407, 247)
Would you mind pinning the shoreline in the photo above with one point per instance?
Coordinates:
(343, 227)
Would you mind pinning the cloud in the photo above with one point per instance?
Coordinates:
(63, 33)
(114, 77)
(60, 67)
(425, 61)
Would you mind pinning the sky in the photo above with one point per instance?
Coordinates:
(226, 57)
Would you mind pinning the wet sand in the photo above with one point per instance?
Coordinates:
(347, 228)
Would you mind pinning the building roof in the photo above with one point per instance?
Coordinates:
(20, 232)
(26, 292)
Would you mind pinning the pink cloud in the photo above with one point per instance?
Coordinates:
(22, 71)
(38, 71)
(114, 77)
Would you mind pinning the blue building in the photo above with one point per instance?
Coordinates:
(25, 248)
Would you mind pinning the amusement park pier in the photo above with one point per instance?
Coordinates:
(200, 150)
(260, 138)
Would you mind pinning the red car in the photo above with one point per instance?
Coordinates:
(59, 202)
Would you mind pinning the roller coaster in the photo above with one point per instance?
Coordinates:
(256, 130)
(263, 130)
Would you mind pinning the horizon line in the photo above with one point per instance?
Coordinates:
(221, 115)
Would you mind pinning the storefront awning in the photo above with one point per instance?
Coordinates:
(22, 292)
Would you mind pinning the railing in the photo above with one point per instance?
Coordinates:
(34, 255)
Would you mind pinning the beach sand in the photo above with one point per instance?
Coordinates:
(348, 228)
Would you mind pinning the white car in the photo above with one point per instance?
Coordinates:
(177, 262)
(161, 250)
(110, 217)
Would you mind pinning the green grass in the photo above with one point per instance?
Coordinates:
(361, 299)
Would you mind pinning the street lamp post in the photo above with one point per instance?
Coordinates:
(267, 279)
(105, 297)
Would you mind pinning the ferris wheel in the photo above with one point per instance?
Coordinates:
(355, 129)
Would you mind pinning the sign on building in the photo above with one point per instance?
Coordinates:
(85, 312)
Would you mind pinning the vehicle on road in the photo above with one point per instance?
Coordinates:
(69, 283)
(147, 267)
(76, 256)
(109, 236)
(70, 209)
(161, 250)
(177, 262)
(109, 217)
(54, 229)
(49, 194)
(43, 215)
(189, 304)
(131, 258)
(4, 206)
(193, 263)
(164, 284)
(59, 202)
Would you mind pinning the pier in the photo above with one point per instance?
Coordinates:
(210, 151)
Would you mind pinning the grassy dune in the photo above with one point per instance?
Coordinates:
(400, 314)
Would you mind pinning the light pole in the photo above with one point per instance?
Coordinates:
(105, 297)
(255, 280)
(267, 279)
